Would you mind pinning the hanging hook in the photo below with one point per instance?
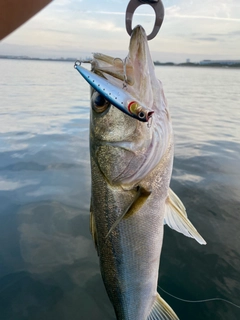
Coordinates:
(159, 11)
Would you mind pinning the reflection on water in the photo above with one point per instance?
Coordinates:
(52, 235)
(48, 264)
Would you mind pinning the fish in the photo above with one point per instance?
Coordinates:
(131, 167)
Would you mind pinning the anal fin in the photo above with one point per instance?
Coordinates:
(176, 218)
(162, 311)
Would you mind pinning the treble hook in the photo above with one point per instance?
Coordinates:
(159, 11)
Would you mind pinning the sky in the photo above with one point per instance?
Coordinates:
(192, 29)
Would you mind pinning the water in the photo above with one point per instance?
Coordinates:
(48, 264)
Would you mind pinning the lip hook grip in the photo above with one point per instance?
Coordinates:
(159, 11)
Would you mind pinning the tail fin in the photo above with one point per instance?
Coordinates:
(162, 311)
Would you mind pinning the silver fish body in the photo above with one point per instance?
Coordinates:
(131, 165)
(130, 254)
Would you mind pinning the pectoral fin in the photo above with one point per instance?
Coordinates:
(161, 310)
(176, 218)
(137, 203)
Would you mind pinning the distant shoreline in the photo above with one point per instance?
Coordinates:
(156, 63)
(198, 65)
(37, 59)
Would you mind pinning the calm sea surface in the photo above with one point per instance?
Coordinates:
(48, 264)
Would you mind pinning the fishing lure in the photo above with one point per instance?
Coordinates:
(118, 97)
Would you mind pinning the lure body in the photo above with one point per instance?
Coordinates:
(118, 97)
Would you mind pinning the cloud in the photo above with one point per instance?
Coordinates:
(172, 12)
(107, 13)
(181, 16)
(234, 33)
(73, 27)
(107, 26)
(207, 39)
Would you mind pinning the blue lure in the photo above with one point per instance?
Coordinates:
(118, 97)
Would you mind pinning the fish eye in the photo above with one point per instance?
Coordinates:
(99, 103)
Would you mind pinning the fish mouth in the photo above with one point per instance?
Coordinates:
(138, 40)
(135, 74)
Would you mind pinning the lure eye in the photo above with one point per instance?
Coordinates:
(99, 103)
(141, 115)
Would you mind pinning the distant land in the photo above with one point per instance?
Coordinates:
(38, 59)
(203, 63)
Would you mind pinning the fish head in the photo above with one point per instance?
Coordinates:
(124, 148)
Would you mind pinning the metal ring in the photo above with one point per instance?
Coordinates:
(77, 63)
(159, 11)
